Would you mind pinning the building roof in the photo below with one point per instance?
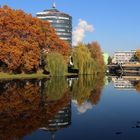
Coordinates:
(126, 51)
(53, 11)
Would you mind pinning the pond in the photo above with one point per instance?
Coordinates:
(82, 108)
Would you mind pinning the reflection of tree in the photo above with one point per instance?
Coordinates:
(87, 88)
(56, 87)
(21, 111)
(96, 91)
(137, 86)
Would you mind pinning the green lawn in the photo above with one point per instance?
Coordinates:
(23, 76)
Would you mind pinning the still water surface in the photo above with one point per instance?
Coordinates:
(83, 108)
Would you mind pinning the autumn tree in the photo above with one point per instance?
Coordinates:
(138, 54)
(97, 55)
(24, 38)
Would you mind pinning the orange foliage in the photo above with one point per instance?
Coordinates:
(23, 109)
(22, 37)
(138, 54)
(137, 86)
(96, 54)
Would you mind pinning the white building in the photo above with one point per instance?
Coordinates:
(123, 57)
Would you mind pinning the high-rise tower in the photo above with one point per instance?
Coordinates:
(62, 22)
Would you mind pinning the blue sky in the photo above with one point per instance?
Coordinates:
(116, 22)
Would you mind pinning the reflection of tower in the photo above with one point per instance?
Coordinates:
(61, 120)
(52, 135)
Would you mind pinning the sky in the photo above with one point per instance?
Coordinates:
(116, 23)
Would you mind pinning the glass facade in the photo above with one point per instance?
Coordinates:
(60, 21)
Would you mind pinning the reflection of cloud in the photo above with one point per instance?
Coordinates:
(84, 107)
(80, 30)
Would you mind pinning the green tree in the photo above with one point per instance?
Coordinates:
(82, 60)
(109, 60)
(56, 64)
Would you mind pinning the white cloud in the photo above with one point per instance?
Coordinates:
(84, 107)
(80, 30)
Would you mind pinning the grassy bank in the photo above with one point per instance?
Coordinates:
(23, 76)
(28, 76)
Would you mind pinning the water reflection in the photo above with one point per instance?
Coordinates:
(86, 91)
(24, 109)
(29, 105)
(126, 82)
